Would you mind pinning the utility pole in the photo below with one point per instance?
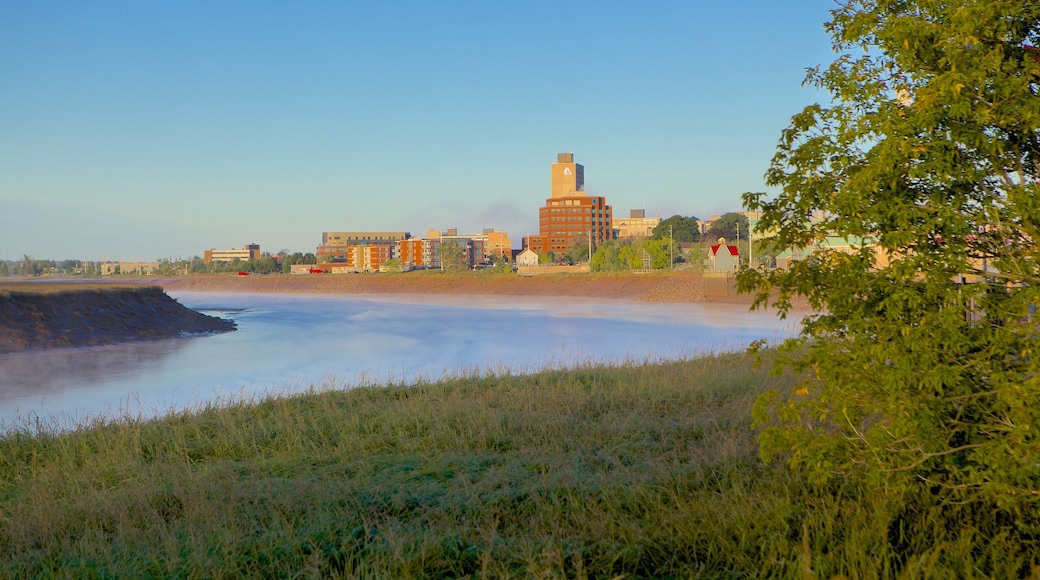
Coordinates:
(750, 245)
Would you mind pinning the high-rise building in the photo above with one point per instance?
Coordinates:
(568, 177)
(570, 215)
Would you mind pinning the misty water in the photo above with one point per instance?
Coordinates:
(290, 343)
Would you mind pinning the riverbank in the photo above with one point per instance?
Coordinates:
(650, 287)
(57, 315)
(643, 471)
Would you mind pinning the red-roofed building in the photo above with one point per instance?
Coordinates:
(723, 258)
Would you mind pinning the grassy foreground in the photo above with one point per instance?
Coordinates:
(649, 470)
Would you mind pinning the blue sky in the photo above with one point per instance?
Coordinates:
(144, 130)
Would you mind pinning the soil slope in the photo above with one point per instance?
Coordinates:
(656, 287)
(67, 315)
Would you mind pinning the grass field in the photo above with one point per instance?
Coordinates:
(648, 470)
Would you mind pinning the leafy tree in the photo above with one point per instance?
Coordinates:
(920, 384)
(29, 267)
(164, 267)
(392, 265)
(661, 252)
(289, 260)
(263, 265)
(679, 228)
(501, 264)
(625, 255)
(697, 256)
(69, 266)
(453, 255)
(196, 265)
(766, 251)
(606, 257)
(730, 226)
(631, 256)
(578, 250)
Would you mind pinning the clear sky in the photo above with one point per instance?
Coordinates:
(143, 130)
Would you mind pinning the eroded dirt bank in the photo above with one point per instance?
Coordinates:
(656, 287)
(44, 316)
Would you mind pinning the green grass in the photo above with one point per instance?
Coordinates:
(647, 470)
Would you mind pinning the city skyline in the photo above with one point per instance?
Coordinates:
(136, 132)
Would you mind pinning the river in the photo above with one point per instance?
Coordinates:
(290, 343)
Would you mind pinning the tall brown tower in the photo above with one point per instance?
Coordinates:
(570, 215)
(568, 177)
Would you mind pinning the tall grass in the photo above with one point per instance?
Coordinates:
(647, 470)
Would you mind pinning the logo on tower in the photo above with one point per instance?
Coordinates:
(567, 171)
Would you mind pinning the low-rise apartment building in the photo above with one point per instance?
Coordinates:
(411, 253)
(359, 251)
(636, 226)
(136, 268)
(244, 254)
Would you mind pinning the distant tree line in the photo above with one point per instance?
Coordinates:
(657, 252)
(624, 255)
(266, 264)
(29, 266)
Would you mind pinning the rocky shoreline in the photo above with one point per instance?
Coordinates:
(37, 316)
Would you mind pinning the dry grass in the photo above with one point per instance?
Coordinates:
(648, 470)
(8, 286)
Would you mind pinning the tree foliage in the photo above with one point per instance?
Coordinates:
(661, 252)
(391, 265)
(289, 260)
(626, 255)
(579, 250)
(679, 228)
(730, 226)
(453, 255)
(616, 256)
(609, 257)
(929, 150)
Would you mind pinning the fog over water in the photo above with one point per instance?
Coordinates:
(288, 343)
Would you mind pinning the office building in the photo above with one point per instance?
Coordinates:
(337, 247)
(249, 252)
(569, 215)
(636, 226)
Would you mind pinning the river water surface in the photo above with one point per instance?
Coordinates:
(289, 343)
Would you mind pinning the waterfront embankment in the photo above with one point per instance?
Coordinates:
(55, 315)
(686, 286)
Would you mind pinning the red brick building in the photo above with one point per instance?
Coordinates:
(570, 215)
